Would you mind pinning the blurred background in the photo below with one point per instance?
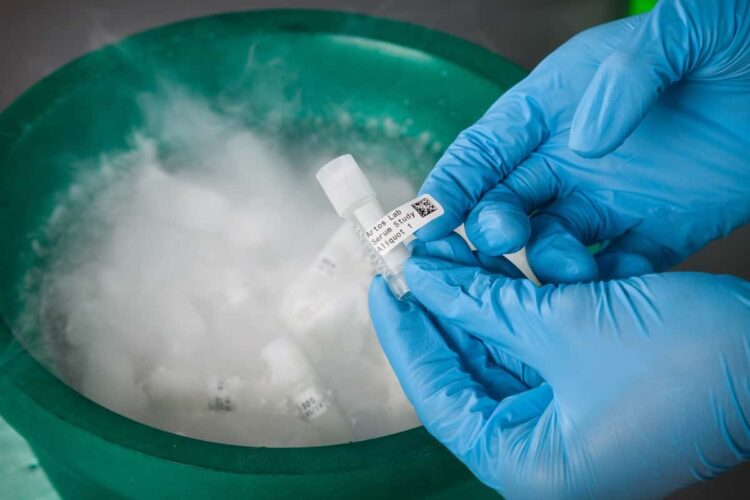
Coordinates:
(39, 36)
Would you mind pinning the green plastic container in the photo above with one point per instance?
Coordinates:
(380, 72)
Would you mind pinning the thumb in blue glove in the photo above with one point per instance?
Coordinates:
(646, 380)
(633, 133)
(707, 43)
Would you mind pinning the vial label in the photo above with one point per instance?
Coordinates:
(401, 222)
(326, 265)
(310, 404)
(222, 400)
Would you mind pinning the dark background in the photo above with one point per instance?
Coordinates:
(39, 36)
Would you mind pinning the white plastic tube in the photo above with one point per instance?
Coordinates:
(354, 199)
(293, 375)
(518, 258)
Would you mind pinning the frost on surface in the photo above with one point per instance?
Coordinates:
(166, 269)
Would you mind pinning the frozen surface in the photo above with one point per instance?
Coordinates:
(172, 272)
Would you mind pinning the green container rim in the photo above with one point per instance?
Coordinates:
(36, 383)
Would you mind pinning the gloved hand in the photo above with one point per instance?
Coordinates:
(636, 386)
(636, 132)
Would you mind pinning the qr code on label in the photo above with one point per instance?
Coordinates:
(424, 207)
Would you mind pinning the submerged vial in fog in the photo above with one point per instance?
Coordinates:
(293, 375)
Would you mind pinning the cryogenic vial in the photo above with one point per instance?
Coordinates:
(354, 199)
(384, 233)
(341, 264)
(182, 391)
(328, 297)
(293, 375)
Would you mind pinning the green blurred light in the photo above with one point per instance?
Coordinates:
(641, 6)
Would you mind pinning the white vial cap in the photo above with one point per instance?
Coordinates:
(286, 361)
(344, 183)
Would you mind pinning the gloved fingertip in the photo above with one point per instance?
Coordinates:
(451, 248)
(587, 135)
(436, 283)
(438, 228)
(618, 97)
(392, 318)
(562, 259)
(379, 294)
(587, 144)
(498, 228)
(621, 265)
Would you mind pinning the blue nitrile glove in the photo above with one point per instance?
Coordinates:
(453, 248)
(646, 381)
(571, 142)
